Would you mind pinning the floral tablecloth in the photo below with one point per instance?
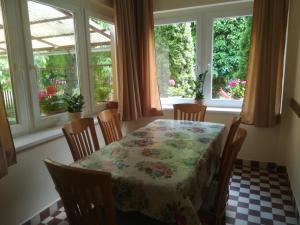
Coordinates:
(162, 169)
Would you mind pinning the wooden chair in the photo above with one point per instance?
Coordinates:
(113, 106)
(194, 112)
(86, 194)
(81, 137)
(110, 126)
(212, 211)
(230, 137)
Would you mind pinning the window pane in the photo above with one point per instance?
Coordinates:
(231, 42)
(53, 43)
(175, 58)
(5, 77)
(101, 59)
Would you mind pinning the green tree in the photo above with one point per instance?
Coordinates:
(243, 53)
(230, 50)
(176, 54)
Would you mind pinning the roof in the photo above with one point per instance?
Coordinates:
(52, 29)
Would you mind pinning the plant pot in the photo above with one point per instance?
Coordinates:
(199, 101)
(74, 115)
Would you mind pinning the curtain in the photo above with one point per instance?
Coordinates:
(7, 149)
(138, 89)
(262, 102)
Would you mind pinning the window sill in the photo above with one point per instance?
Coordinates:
(37, 138)
(33, 139)
(221, 110)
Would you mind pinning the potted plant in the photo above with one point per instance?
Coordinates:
(74, 103)
(199, 84)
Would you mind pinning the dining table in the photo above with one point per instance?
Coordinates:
(163, 169)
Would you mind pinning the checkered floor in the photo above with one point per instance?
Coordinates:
(257, 196)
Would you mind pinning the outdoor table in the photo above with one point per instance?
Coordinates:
(162, 169)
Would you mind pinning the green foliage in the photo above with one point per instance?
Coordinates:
(5, 80)
(176, 55)
(199, 85)
(231, 50)
(74, 102)
(52, 104)
(102, 71)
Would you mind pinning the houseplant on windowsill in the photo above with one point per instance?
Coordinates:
(74, 103)
(199, 84)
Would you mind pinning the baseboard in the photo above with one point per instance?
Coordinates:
(46, 212)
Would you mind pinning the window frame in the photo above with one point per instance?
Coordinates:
(48, 121)
(204, 17)
(94, 14)
(20, 56)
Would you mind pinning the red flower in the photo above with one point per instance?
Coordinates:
(42, 95)
(51, 90)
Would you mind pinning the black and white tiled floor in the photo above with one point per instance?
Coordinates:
(257, 196)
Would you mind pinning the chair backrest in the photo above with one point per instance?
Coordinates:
(194, 112)
(86, 194)
(81, 137)
(236, 121)
(110, 126)
(225, 173)
(112, 105)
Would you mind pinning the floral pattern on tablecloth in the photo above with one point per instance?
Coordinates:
(162, 169)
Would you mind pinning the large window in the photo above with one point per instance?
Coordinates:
(192, 41)
(54, 55)
(175, 58)
(54, 49)
(101, 62)
(5, 76)
(231, 39)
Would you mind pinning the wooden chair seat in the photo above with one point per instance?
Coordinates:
(110, 125)
(81, 137)
(193, 112)
(86, 194)
(213, 207)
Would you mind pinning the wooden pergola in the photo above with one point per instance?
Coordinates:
(52, 29)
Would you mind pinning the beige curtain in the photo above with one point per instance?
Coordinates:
(262, 102)
(7, 149)
(138, 89)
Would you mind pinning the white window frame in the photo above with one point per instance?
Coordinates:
(16, 53)
(23, 73)
(39, 121)
(204, 17)
(94, 14)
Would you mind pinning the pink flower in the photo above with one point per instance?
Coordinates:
(42, 95)
(234, 82)
(243, 82)
(171, 82)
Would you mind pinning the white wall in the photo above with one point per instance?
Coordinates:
(289, 149)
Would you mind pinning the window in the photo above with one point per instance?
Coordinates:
(48, 57)
(54, 56)
(6, 81)
(175, 58)
(231, 40)
(191, 41)
(101, 59)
